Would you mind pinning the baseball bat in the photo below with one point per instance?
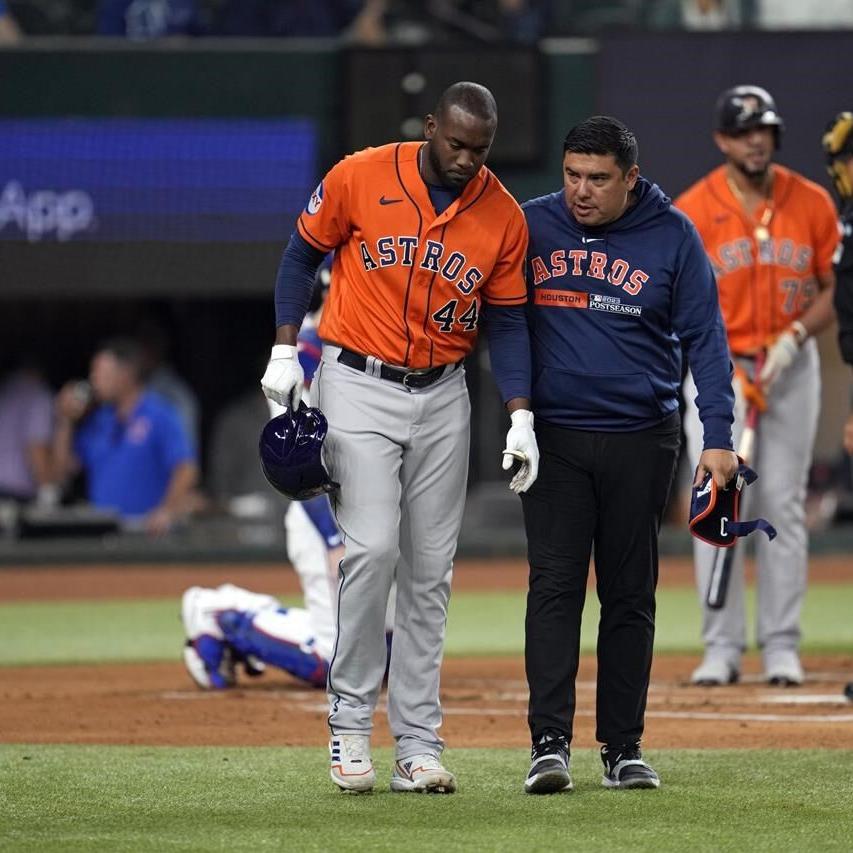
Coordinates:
(721, 571)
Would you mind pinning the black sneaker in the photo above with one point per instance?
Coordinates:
(549, 768)
(624, 767)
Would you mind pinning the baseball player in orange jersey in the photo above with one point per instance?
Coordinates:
(426, 239)
(770, 235)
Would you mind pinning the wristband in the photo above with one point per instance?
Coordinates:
(282, 351)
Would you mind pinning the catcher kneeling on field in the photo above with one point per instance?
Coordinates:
(230, 626)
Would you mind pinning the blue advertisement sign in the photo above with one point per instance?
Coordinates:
(173, 180)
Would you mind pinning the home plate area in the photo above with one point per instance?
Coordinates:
(485, 704)
(484, 701)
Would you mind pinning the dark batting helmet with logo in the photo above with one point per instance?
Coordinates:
(290, 447)
(744, 107)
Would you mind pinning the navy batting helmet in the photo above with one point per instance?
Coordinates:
(745, 107)
(290, 449)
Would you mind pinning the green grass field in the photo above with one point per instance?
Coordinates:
(87, 798)
(479, 624)
(155, 799)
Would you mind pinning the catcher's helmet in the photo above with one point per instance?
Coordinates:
(290, 448)
(745, 107)
(714, 511)
(838, 145)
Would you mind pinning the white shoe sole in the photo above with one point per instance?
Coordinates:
(627, 785)
(428, 783)
(549, 782)
(354, 784)
(716, 675)
(784, 679)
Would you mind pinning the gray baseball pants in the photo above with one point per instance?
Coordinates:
(401, 458)
(782, 458)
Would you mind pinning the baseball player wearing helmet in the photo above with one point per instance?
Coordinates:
(425, 240)
(838, 148)
(770, 235)
(619, 286)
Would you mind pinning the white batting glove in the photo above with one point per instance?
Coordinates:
(282, 382)
(780, 356)
(521, 446)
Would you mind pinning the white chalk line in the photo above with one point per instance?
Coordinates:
(451, 711)
(805, 699)
(514, 691)
(697, 696)
(665, 715)
(513, 686)
(672, 715)
(290, 695)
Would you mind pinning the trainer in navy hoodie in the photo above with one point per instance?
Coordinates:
(610, 310)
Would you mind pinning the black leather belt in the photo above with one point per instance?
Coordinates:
(407, 378)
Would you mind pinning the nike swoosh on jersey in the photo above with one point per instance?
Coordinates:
(384, 200)
(592, 239)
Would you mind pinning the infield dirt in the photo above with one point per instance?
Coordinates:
(484, 698)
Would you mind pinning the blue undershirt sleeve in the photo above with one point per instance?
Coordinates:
(509, 348)
(699, 325)
(295, 281)
(319, 511)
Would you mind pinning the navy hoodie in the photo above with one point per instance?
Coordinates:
(610, 311)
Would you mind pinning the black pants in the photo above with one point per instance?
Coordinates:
(607, 491)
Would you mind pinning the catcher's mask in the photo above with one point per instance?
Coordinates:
(838, 145)
(290, 450)
(714, 511)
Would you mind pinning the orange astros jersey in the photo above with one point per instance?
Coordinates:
(407, 284)
(765, 284)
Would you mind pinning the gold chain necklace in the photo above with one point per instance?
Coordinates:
(761, 229)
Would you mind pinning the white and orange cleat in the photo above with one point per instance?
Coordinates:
(422, 774)
(351, 764)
